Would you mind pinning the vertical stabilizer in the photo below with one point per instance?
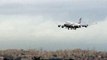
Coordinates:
(80, 21)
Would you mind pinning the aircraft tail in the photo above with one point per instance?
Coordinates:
(80, 20)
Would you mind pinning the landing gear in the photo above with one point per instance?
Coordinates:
(75, 28)
(68, 28)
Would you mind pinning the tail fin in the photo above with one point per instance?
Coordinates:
(80, 20)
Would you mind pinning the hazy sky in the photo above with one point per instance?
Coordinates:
(33, 24)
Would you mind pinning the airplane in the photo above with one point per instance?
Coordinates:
(73, 25)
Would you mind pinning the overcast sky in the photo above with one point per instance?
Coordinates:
(33, 24)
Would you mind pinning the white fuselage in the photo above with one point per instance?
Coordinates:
(73, 23)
